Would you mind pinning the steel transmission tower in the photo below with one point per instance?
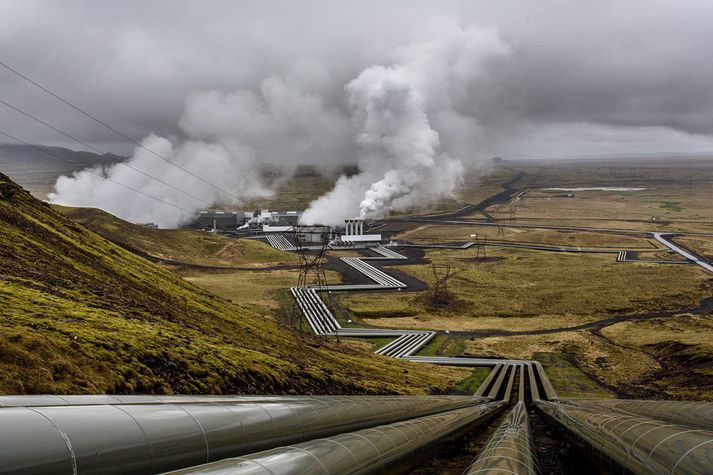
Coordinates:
(311, 243)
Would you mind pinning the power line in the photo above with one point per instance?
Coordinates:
(87, 114)
(100, 151)
(93, 173)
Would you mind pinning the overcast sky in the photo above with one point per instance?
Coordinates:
(579, 77)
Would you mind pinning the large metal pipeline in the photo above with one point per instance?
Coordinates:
(695, 414)
(486, 382)
(508, 387)
(508, 450)
(495, 390)
(393, 448)
(639, 445)
(550, 392)
(40, 400)
(534, 392)
(148, 438)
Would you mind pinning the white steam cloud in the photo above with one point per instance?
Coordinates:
(227, 165)
(229, 136)
(411, 124)
(412, 135)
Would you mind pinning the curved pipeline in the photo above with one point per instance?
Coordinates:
(509, 449)
(639, 445)
(393, 448)
(695, 414)
(150, 438)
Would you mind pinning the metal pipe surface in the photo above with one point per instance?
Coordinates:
(550, 392)
(534, 392)
(393, 448)
(142, 438)
(508, 388)
(40, 400)
(498, 382)
(696, 414)
(486, 382)
(509, 449)
(639, 445)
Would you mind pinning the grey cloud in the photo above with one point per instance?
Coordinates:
(636, 63)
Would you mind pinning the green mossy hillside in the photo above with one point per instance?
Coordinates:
(79, 314)
(183, 245)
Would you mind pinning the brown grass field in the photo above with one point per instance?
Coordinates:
(522, 290)
(518, 290)
(425, 233)
(703, 245)
(677, 195)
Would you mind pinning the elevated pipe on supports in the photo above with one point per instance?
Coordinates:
(155, 437)
(550, 392)
(639, 445)
(534, 392)
(495, 390)
(508, 388)
(509, 449)
(393, 448)
(486, 382)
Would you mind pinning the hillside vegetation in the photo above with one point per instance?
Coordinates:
(188, 246)
(80, 314)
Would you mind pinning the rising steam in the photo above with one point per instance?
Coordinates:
(411, 133)
(229, 137)
(411, 124)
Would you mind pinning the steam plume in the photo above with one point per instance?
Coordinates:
(399, 111)
(229, 136)
(409, 124)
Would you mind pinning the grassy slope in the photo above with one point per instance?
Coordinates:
(684, 346)
(195, 247)
(82, 315)
(461, 233)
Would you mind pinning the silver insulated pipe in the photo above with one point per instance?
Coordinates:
(638, 444)
(697, 414)
(509, 449)
(392, 448)
(140, 435)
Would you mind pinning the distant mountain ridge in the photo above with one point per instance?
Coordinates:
(37, 171)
